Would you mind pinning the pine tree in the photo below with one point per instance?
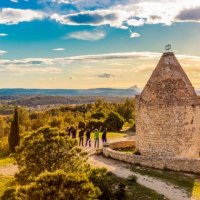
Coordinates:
(14, 138)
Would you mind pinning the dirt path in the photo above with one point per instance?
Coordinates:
(8, 170)
(122, 170)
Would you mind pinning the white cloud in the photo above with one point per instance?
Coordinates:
(119, 13)
(134, 35)
(39, 62)
(59, 49)
(125, 13)
(135, 22)
(14, 16)
(14, 1)
(2, 52)
(26, 70)
(87, 35)
(3, 34)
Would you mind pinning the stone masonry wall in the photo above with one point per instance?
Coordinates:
(176, 164)
(168, 131)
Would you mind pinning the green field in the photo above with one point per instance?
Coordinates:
(111, 135)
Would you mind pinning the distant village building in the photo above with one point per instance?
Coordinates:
(168, 113)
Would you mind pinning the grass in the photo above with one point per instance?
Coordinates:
(111, 135)
(179, 179)
(5, 183)
(196, 190)
(6, 161)
(135, 191)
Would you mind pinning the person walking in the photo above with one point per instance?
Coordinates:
(68, 130)
(88, 140)
(81, 135)
(74, 130)
(104, 135)
(96, 137)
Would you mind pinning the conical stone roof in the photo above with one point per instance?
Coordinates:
(168, 84)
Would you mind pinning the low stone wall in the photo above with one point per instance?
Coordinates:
(176, 164)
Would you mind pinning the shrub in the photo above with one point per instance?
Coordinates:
(114, 121)
(56, 122)
(56, 185)
(4, 148)
(112, 187)
(48, 150)
(95, 124)
(98, 115)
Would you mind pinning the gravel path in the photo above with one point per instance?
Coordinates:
(122, 170)
(8, 170)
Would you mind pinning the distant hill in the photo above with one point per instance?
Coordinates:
(70, 92)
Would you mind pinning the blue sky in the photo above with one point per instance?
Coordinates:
(94, 43)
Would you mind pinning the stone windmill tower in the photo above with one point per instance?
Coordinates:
(168, 113)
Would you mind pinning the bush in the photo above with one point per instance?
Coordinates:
(95, 124)
(48, 150)
(81, 125)
(114, 121)
(4, 148)
(56, 185)
(112, 187)
(56, 122)
(98, 115)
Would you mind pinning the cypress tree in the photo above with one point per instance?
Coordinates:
(14, 138)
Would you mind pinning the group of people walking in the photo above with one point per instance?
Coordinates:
(72, 132)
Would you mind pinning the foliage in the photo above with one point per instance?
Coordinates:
(6, 161)
(4, 126)
(98, 115)
(95, 124)
(48, 150)
(14, 137)
(5, 182)
(81, 125)
(127, 109)
(24, 120)
(56, 122)
(4, 148)
(196, 189)
(56, 185)
(114, 121)
(112, 187)
(102, 179)
(93, 114)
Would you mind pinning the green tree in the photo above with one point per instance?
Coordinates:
(24, 119)
(57, 185)
(114, 121)
(14, 138)
(1, 126)
(127, 109)
(48, 150)
(98, 115)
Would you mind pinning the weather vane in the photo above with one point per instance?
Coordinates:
(168, 47)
